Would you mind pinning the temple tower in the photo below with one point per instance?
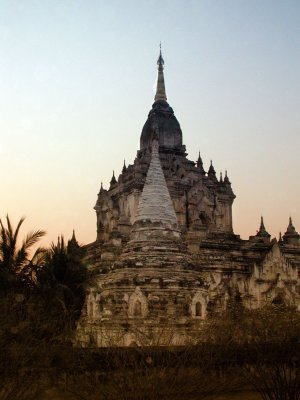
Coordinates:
(166, 256)
(202, 203)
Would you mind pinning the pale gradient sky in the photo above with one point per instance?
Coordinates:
(77, 82)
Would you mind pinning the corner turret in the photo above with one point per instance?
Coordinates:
(226, 179)
(200, 165)
(261, 235)
(291, 236)
(113, 180)
(211, 173)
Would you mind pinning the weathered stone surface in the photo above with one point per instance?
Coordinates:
(155, 202)
(166, 256)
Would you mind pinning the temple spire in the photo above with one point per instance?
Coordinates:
(291, 236)
(226, 179)
(200, 165)
(262, 226)
(211, 171)
(160, 88)
(155, 205)
(124, 167)
(262, 232)
(113, 180)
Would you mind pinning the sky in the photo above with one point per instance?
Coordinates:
(77, 81)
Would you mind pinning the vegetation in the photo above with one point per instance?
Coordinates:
(15, 264)
(41, 297)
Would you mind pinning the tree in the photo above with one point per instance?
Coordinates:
(148, 373)
(15, 262)
(273, 367)
(63, 276)
(264, 344)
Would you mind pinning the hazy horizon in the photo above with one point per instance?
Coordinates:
(77, 82)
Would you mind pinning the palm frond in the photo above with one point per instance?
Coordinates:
(11, 235)
(32, 238)
(2, 239)
(14, 235)
(39, 257)
(12, 258)
(5, 251)
(9, 227)
(21, 258)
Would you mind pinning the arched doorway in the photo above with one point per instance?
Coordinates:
(198, 309)
(137, 309)
(278, 300)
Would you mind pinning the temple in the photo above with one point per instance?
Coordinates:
(166, 256)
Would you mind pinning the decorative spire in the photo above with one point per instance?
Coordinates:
(262, 226)
(200, 165)
(291, 236)
(280, 238)
(261, 235)
(290, 228)
(124, 167)
(72, 243)
(113, 180)
(160, 88)
(262, 232)
(226, 179)
(221, 177)
(211, 170)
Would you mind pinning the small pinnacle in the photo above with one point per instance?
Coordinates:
(200, 165)
(211, 170)
(262, 232)
(124, 167)
(160, 88)
(226, 179)
(113, 179)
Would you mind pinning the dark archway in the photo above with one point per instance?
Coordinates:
(278, 300)
(198, 309)
(137, 309)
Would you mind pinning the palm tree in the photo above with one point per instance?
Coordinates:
(66, 268)
(16, 262)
